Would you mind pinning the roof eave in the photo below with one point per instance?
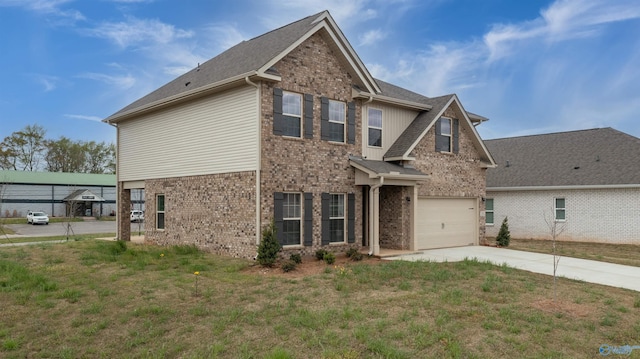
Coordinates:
(389, 175)
(392, 101)
(188, 95)
(400, 158)
(567, 187)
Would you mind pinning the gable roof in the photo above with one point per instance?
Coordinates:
(595, 157)
(252, 58)
(83, 195)
(409, 139)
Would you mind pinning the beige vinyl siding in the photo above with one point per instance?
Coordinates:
(394, 121)
(215, 134)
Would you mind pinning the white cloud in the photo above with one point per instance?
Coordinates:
(121, 82)
(49, 83)
(138, 32)
(46, 7)
(225, 35)
(84, 117)
(372, 37)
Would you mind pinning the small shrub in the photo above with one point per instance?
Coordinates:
(329, 258)
(289, 266)
(295, 257)
(352, 252)
(269, 246)
(357, 257)
(504, 236)
(320, 254)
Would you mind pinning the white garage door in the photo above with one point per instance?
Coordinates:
(446, 222)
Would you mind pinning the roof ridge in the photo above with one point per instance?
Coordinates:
(274, 30)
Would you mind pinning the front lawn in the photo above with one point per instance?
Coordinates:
(627, 254)
(115, 299)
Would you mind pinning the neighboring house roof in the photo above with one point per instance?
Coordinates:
(254, 57)
(57, 178)
(595, 157)
(385, 169)
(83, 195)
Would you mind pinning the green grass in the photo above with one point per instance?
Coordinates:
(77, 237)
(626, 254)
(112, 299)
(23, 220)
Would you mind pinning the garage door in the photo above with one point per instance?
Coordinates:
(446, 222)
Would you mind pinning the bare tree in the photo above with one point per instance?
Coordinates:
(555, 230)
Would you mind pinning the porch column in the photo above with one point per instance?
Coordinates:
(124, 210)
(374, 218)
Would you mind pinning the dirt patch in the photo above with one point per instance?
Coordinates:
(309, 266)
(571, 309)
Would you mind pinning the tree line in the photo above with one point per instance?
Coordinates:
(30, 150)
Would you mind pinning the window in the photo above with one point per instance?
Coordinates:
(336, 218)
(445, 133)
(292, 114)
(160, 211)
(337, 111)
(560, 210)
(291, 208)
(488, 209)
(375, 127)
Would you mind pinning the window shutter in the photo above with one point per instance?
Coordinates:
(278, 118)
(351, 122)
(308, 115)
(351, 216)
(326, 201)
(278, 201)
(441, 141)
(308, 219)
(324, 118)
(456, 126)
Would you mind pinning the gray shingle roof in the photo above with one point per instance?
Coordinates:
(382, 167)
(417, 127)
(243, 58)
(394, 91)
(601, 156)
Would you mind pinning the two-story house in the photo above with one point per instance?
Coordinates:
(290, 126)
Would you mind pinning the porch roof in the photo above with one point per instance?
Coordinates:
(386, 169)
(83, 195)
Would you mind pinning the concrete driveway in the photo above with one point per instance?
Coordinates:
(615, 275)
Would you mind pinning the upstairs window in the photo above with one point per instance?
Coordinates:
(292, 114)
(375, 127)
(337, 114)
(560, 210)
(447, 135)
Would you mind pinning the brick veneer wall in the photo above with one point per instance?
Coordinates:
(309, 165)
(592, 215)
(395, 218)
(214, 212)
(452, 175)
(124, 213)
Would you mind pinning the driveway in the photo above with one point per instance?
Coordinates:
(615, 275)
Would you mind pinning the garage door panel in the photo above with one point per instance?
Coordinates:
(446, 222)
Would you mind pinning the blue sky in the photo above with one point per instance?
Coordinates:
(529, 66)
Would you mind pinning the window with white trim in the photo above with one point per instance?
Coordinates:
(560, 210)
(291, 219)
(375, 127)
(445, 131)
(337, 114)
(336, 218)
(488, 210)
(160, 211)
(292, 114)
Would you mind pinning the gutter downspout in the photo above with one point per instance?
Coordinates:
(258, 165)
(374, 218)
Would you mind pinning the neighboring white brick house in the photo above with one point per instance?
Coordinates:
(592, 176)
